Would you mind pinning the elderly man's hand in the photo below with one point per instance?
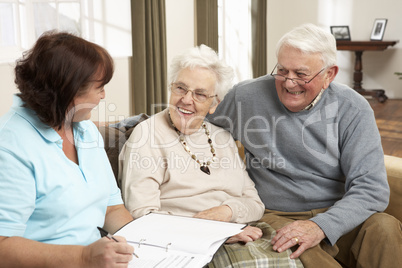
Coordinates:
(305, 233)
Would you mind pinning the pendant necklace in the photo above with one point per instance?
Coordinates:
(203, 165)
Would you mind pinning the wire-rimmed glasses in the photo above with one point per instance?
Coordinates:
(199, 95)
(297, 81)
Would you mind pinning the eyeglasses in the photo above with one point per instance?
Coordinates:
(198, 94)
(298, 81)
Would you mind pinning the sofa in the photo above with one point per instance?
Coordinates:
(115, 135)
(394, 171)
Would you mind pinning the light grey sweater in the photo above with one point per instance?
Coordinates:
(328, 156)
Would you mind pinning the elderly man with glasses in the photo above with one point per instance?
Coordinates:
(314, 152)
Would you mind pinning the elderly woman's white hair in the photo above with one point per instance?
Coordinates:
(204, 57)
(311, 39)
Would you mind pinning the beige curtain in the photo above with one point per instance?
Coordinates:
(148, 67)
(207, 23)
(259, 37)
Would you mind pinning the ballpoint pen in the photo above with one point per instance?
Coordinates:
(108, 235)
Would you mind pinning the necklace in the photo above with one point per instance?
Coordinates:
(203, 165)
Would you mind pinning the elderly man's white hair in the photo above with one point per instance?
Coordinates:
(311, 39)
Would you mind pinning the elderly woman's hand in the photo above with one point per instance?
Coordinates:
(248, 234)
(220, 213)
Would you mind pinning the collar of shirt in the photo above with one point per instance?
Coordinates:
(45, 131)
(314, 102)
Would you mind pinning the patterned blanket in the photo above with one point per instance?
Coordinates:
(256, 254)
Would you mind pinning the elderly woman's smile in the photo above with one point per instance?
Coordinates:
(186, 111)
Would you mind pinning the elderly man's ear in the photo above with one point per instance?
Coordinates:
(330, 75)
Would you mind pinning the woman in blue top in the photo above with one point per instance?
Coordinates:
(56, 182)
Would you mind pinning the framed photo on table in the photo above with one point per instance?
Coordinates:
(378, 29)
(340, 32)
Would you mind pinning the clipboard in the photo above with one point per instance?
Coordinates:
(164, 240)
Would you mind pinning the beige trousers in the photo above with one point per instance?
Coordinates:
(375, 243)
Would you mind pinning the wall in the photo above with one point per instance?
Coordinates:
(359, 15)
(116, 105)
(180, 26)
(7, 86)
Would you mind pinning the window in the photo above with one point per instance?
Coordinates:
(105, 22)
(234, 34)
(10, 40)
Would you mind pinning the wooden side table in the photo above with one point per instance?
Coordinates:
(358, 47)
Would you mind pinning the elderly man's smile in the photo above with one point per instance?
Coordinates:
(294, 92)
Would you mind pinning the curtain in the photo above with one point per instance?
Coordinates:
(207, 23)
(259, 37)
(148, 66)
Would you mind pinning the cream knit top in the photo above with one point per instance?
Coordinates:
(157, 174)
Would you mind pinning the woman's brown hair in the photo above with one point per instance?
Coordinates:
(59, 67)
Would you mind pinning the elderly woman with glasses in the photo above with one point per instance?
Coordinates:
(178, 163)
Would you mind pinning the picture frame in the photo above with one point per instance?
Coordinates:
(341, 32)
(378, 29)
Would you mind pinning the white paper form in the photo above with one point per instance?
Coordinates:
(162, 240)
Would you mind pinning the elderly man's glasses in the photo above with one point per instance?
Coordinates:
(199, 95)
(297, 81)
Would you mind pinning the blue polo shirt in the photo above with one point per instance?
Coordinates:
(45, 196)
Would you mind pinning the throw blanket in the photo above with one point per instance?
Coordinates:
(256, 254)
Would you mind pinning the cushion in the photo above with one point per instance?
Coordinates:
(394, 171)
(395, 200)
(116, 135)
(114, 140)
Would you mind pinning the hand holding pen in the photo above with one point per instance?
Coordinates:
(103, 253)
(110, 237)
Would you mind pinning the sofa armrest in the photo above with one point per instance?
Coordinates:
(393, 166)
